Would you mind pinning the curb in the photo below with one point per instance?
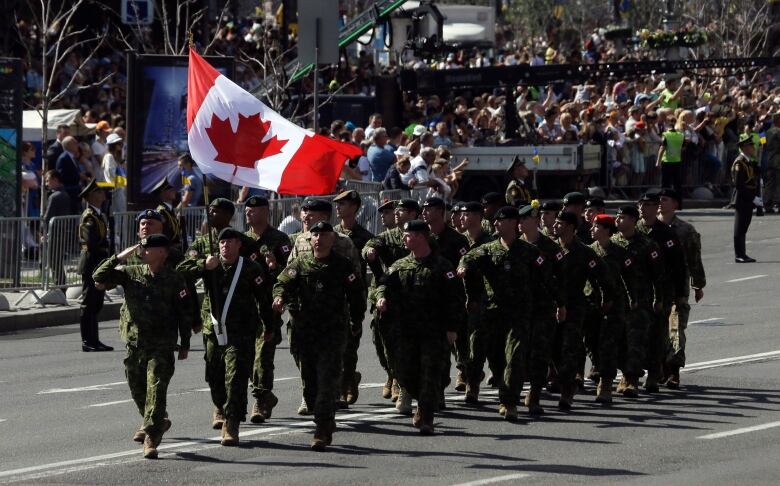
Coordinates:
(24, 319)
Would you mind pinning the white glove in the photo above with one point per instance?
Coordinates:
(758, 202)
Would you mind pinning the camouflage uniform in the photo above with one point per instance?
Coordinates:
(611, 334)
(648, 268)
(151, 318)
(694, 272)
(228, 367)
(318, 292)
(424, 302)
(277, 243)
(201, 247)
(172, 227)
(475, 310)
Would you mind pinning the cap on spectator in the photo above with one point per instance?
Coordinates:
(148, 214)
(349, 126)
(408, 204)
(605, 220)
(566, 217)
(155, 241)
(551, 206)
(223, 204)
(388, 205)
(417, 225)
(113, 138)
(595, 202)
(528, 211)
(472, 207)
(102, 126)
(506, 212)
(650, 197)
(492, 198)
(573, 198)
(161, 186)
(434, 202)
(256, 202)
(672, 194)
(419, 130)
(317, 204)
(321, 227)
(402, 151)
(745, 139)
(515, 161)
(228, 233)
(348, 196)
(628, 211)
(643, 97)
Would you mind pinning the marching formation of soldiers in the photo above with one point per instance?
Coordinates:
(532, 290)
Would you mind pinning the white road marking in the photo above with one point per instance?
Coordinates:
(371, 385)
(702, 321)
(745, 278)
(497, 479)
(729, 361)
(743, 430)
(106, 404)
(3, 420)
(106, 386)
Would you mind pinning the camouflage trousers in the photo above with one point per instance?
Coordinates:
(228, 369)
(350, 357)
(610, 341)
(479, 336)
(382, 335)
(419, 364)
(657, 344)
(678, 323)
(567, 345)
(318, 352)
(503, 339)
(591, 331)
(637, 325)
(539, 345)
(148, 373)
(263, 369)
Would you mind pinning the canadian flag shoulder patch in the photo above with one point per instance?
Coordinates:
(539, 261)
(183, 293)
(670, 243)
(285, 248)
(628, 262)
(559, 256)
(351, 277)
(450, 275)
(654, 254)
(592, 264)
(259, 280)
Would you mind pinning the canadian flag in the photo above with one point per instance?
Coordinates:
(234, 136)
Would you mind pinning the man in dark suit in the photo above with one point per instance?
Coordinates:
(55, 149)
(58, 204)
(68, 167)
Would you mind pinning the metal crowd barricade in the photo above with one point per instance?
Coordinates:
(281, 208)
(194, 222)
(363, 186)
(418, 194)
(125, 230)
(62, 253)
(368, 216)
(393, 194)
(21, 255)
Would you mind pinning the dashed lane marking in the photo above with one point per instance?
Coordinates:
(743, 430)
(497, 479)
(743, 279)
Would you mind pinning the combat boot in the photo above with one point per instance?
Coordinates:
(387, 389)
(426, 424)
(303, 409)
(502, 409)
(257, 416)
(230, 432)
(604, 391)
(139, 434)
(651, 383)
(267, 404)
(472, 392)
(567, 396)
(217, 419)
(622, 385)
(442, 401)
(395, 390)
(593, 375)
(320, 440)
(631, 389)
(510, 413)
(404, 402)
(460, 383)
(353, 389)
(417, 418)
(579, 383)
(674, 378)
(532, 400)
(150, 447)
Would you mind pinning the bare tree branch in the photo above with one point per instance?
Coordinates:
(219, 23)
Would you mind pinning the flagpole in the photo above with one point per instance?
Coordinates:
(215, 305)
(316, 74)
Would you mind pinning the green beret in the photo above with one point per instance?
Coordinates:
(155, 241)
(228, 233)
(257, 202)
(492, 198)
(566, 217)
(434, 202)
(388, 205)
(671, 193)
(223, 204)
(417, 225)
(472, 207)
(408, 204)
(628, 211)
(527, 211)
(317, 204)
(573, 198)
(506, 212)
(650, 197)
(321, 227)
(595, 202)
(551, 206)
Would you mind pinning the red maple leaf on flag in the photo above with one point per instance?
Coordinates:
(245, 146)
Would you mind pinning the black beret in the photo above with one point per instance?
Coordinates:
(650, 197)
(408, 204)
(321, 227)
(148, 214)
(317, 204)
(434, 202)
(472, 207)
(493, 198)
(256, 202)
(595, 202)
(155, 241)
(223, 204)
(567, 217)
(669, 192)
(573, 198)
(528, 211)
(161, 186)
(351, 196)
(456, 207)
(551, 206)
(228, 233)
(417, 225)
(506, 212)
(386, 206)
(629, 211)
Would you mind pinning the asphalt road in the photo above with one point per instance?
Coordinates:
(66, 416)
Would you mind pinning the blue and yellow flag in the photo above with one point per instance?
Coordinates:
(536, 157)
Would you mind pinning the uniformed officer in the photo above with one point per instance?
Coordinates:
(517, 194)
(173, 223)
(548, 211)
(746, 176)
(452, 246)
(274, 247)
(386, 212)
(492, 202)
(648, 268)
(471, 221)
(347, 206)
(236, 299)
(153, 316)
(594, 314)
(93, 236)
(422, 298)
(318, 287)
(455, 217)
(219, 214)
(670, 202)
(574, 202)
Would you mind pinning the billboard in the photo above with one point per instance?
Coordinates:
(10, 133)
(157, 121)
